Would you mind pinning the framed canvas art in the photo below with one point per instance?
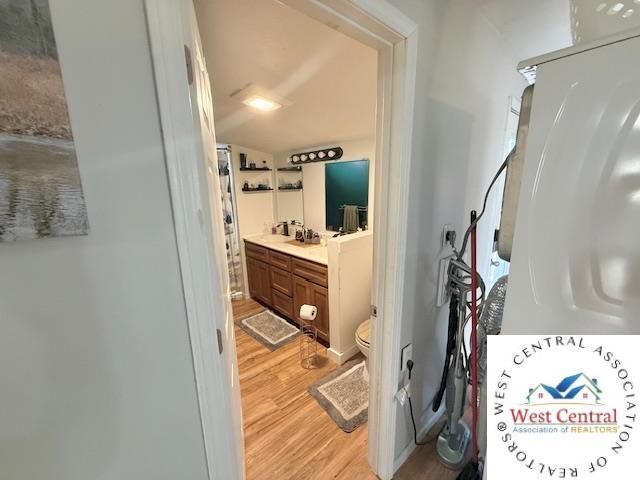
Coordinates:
(40, 189)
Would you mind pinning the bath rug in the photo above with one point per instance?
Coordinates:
(344, 394)
(269, 329)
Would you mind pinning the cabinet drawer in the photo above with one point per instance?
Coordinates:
(256, 251)
(313, 272)
(282, 303)
(281, 281)
(280, 260)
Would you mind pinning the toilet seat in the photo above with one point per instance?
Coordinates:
(363, 333)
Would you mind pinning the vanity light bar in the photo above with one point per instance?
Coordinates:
(323, 155)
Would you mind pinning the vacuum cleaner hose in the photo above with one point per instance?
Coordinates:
(450, 352)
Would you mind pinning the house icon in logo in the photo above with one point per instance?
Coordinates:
(578, 388)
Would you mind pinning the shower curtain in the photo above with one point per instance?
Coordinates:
(230, 222)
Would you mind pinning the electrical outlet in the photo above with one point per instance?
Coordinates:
(445, 231)
(407, 354)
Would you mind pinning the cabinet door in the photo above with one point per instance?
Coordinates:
(281, 280)
(264, 276)
(320, 298)
(253, 276)
(301, 295)
(282, 303)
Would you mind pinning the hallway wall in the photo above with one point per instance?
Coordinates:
(95, 365)
(465, 75)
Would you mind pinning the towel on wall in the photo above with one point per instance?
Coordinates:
(351, 219)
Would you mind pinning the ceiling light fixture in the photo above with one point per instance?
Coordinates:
(261, 103)
(601, 7)
(628, 13)
(260, 99)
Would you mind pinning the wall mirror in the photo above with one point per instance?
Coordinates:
(347, 195)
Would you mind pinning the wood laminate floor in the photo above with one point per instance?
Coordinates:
(287, 435)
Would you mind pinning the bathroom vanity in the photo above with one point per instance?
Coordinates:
(284, 276)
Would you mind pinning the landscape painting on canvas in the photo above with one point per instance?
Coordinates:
(40, 190)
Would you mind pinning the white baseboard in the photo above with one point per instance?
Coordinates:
(399, 461)
(342, 357)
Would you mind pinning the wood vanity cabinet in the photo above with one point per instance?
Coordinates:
(307, 292)
(285, 283)
(259, 280)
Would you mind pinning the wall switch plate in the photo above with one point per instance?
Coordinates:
(407, 354)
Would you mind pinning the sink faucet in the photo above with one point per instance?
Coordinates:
(285, 228)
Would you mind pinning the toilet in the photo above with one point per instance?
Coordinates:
(363, 338)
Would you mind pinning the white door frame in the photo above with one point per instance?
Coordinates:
(383, 27)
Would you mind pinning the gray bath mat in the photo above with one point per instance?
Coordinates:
(269, 329)
(344, 394)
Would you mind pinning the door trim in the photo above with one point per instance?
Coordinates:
(383, 27)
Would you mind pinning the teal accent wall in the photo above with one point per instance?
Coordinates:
(346, 183)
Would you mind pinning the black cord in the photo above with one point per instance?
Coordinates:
(413, 421)
(484, 203)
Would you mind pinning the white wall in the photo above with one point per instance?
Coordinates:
(95, 364)
(314, 197)
(289, 203)
(465, 76)
(350, 269)
(255, 209)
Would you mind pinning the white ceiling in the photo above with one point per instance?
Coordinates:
(530, 27)
(329, 78)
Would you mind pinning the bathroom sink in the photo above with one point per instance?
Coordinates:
(273, 239)
(302, 245)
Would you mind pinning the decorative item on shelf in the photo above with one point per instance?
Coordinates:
(243, 161)
(252, 166)
(264, 164)
(260, 187)
(308, 336)
(291, 186)
(333, 153)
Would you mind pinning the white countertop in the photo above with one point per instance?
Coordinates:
(315, 253)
